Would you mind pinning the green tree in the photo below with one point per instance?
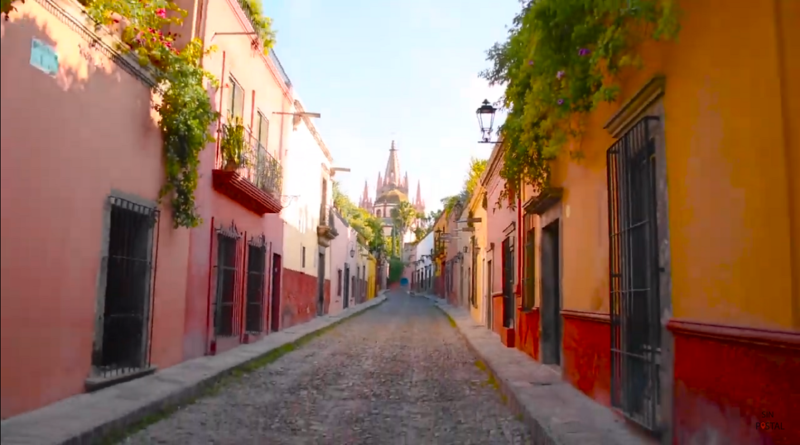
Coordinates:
(476, 169)
(365, 224)
(403, 216)
(396, 267)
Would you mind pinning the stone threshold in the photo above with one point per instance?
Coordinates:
(556, 412)
(91, 417)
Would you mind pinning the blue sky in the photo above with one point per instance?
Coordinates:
(393, 69)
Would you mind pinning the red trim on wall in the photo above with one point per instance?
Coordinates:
(586, 346)
(234, 186)
(739, 334)
(528, 332)
(507, 336)
(728, 379)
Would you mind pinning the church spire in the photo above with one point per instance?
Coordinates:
(380, 185)
(392, 175)
(418, 199)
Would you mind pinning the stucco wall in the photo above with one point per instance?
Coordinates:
(340, 255)
(99, 134)
(264, 91)
(727, 165)
(499, 217)
(478, 312)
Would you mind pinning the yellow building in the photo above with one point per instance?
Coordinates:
(371, 276)
(677, 235)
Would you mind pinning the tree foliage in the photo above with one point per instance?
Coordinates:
(365, 224)
(561, 59)
(396, 267)
(403, 217)
(476, 169)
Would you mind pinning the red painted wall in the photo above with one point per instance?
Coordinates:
(527, 332)
(727, 378)
(327, 296)
(497, 313)
(299, 300)
(586, 348)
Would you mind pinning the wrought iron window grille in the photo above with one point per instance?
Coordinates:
(634, 275)
(125, 320)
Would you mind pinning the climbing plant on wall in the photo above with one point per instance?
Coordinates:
(561, 59)
(183, 103)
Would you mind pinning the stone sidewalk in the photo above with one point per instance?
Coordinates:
(88, 418)
(554, 410)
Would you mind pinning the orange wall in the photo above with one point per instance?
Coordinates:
(66, 143)
(726, 145)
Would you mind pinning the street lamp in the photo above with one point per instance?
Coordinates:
(352, 250)
(486, 121)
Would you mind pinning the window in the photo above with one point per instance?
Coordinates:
(304, 256)
(338, 282)
(635, 274)
(235, 99)
(256, 275)
(262, 130)
(121, 345)
(379, 213)
(226, 283)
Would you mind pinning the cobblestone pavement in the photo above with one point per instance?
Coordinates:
(398, 374)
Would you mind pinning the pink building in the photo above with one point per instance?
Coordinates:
(344, 267)
(93, 273)
(235, 258)
(500, 255)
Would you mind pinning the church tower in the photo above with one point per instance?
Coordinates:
(392, 189)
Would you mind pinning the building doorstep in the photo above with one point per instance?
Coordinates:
(555, 411)
(87, 418)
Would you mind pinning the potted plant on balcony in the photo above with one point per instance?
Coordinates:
(233, 145)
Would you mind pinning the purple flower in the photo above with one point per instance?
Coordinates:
(561, 101)
(583, 52)
(559, 75)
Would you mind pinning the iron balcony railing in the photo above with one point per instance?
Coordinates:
(258, 166)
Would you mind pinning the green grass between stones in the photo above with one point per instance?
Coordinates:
(213, 388)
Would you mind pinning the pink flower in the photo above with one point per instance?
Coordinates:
(583, 52)
(559, 75)
(161, 12)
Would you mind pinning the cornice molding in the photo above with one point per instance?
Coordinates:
(244, 22)
(633, 108)
(74, 15)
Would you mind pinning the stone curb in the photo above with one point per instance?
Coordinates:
(91, 417)
(555, 412)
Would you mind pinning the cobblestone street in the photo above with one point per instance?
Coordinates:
(398, 374)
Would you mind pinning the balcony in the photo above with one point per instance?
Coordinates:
(326, 230)
(246, 172)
